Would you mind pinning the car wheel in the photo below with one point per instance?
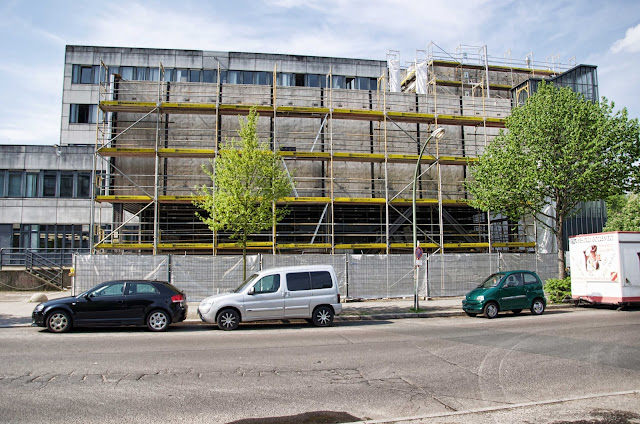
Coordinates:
(537, 307)
(490, 310)
(59, 322)
(322, 316)
(228, 319)
(471, 314)
(516, 311)
(158, 321)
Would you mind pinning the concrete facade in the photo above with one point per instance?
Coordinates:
(352, 172)
(361, 182)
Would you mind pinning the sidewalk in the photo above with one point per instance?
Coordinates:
(15, 309)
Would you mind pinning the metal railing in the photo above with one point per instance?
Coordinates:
(18, 257)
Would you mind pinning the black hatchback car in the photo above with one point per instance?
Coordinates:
(155, 304)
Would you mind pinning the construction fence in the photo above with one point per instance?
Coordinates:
(360, 276)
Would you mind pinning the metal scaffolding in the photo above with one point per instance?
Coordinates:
(350, 152)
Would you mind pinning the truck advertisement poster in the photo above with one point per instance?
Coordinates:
(595, 258)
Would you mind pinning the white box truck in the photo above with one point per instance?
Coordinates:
(605, 267)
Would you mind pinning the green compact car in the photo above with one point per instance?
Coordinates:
(506, 291)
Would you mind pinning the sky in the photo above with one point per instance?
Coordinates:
(34, 35)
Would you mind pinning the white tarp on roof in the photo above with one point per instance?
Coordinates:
(421, 77)
(394, 75)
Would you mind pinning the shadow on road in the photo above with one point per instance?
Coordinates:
(318, 417)
(10, 321)
(191, 327)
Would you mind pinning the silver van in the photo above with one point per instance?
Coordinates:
(309, 292)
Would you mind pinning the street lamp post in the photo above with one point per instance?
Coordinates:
(438, 133)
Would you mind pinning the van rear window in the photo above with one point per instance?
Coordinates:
(321, 280)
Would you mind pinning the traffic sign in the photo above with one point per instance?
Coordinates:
(419, 252)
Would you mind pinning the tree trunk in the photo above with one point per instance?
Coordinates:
(562, 271)
(244, 263)
(244, 258)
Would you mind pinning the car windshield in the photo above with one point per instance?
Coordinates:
(491, 281)
(245, 283)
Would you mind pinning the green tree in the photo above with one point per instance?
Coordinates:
(625, 215)
(559, 150)
(247, 179)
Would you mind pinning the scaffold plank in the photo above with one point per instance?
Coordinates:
(360, 200)
(308, 112)
(303, 245)
(361, 246)
(454, 64)
(304, 155)
(366, 157)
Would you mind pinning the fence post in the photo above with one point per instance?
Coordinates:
(426, 276)
(346, 274)
(169, 268)
(75, 270)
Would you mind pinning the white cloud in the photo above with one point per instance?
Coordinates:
(30, 123)
(630, 43)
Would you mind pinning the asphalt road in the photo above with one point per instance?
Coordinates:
(565, 366)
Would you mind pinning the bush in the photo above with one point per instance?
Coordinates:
(558, 290)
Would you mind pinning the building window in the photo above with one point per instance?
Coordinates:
(316, 80)
(83, 114)
(182, 75)
(141, 74)
(50, 181)
(15, 184)
(285, 80)
(34, 236)
(363, 83)
(66, 184)
(32, 184)
(194, 75)
(233, 77)
(154, 74)
(84, 186)
(209, 75)
(126, 72)
(264, 78)
(338, 81)
(247, 77)
(86, 74)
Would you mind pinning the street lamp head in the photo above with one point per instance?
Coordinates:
(438, 133)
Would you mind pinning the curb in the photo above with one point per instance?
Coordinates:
(353, 318)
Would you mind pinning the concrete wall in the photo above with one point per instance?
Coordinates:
(21, 280)
(47, 210)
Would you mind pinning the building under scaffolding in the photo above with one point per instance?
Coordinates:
(348, 131)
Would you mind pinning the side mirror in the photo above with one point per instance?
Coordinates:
(252, 291)
(87, 297)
